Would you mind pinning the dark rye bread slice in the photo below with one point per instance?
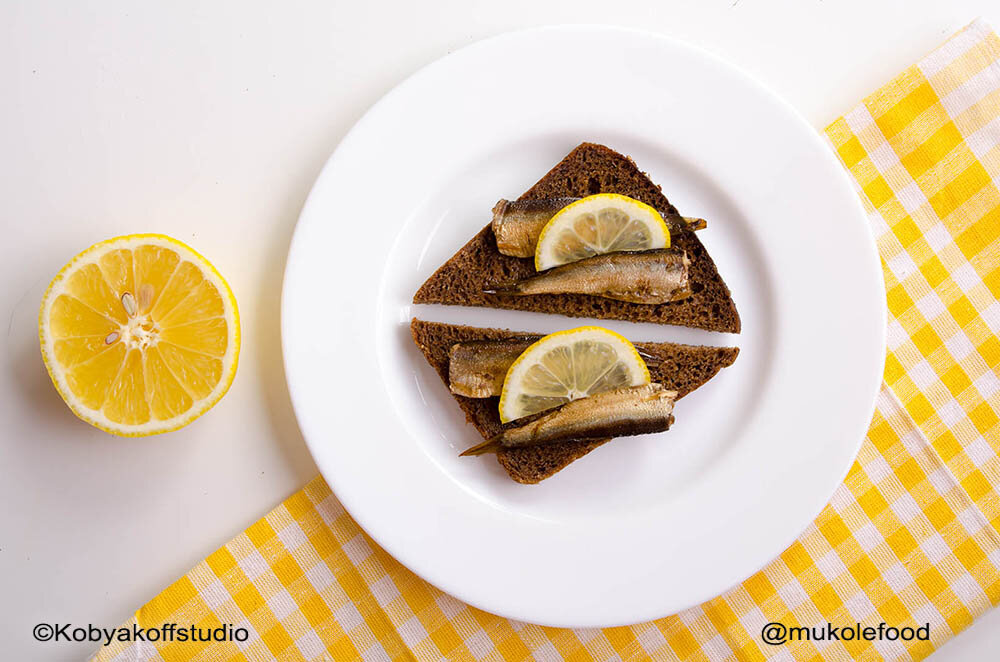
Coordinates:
(587, 170)
(682, 368)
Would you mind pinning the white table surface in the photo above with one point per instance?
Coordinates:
(209, 122)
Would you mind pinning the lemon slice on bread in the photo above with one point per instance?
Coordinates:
(569, 365)
(597, 224)
(140, 334)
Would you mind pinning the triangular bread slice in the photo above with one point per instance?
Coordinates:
(682, 368)
(587, 170)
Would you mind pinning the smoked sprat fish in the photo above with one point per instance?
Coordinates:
(624, 412)
(476, 368)
(647, 277)
(517, 223)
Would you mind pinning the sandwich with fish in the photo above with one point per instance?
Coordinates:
(542, 402)
(593, 202)
(593, 238)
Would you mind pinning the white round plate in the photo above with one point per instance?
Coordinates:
(642, 527)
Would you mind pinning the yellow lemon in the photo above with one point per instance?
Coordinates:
(569, 365)
(140, 334)
(604, 223)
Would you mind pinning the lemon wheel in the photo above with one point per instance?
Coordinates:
(569, 365)
(597, 224)
(140, 334)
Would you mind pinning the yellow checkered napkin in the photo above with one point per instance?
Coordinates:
(911, 537)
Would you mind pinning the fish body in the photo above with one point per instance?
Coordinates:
(518, 223)
(477, 368)
(624, 412)
(647, 277)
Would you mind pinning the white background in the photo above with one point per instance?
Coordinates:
(209, 122)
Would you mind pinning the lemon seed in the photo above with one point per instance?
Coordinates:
(128, 301)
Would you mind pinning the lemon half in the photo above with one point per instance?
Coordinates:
(597, 224)
(140, 334)
(569, 365)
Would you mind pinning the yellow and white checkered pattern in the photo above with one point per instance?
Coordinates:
(911, 537)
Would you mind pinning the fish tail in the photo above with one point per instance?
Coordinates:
(695, 224)
(491, 445)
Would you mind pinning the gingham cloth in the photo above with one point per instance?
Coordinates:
(911, 537)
